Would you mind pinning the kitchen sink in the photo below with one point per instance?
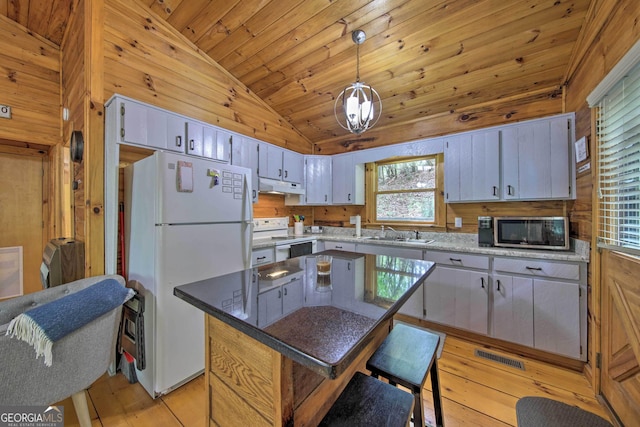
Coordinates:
(403, 240)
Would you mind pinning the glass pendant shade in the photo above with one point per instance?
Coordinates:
(358, 107)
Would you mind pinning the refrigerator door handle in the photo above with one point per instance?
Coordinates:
(247, 218)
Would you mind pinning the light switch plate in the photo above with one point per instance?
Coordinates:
(458, 222)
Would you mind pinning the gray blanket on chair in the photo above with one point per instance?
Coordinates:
(42, 326)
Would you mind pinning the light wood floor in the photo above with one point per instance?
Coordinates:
(476, 392)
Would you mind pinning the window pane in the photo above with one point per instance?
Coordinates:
(418, 174)
(410, 206)
(619, 164)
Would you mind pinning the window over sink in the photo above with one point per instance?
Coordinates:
(406, 191)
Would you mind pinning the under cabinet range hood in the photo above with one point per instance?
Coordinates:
(268, 185)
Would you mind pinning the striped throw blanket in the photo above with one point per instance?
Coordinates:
(42, 326)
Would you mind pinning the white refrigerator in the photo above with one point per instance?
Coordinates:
(186, 219)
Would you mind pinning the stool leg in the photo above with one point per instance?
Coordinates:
(418, 411)
(437, 400)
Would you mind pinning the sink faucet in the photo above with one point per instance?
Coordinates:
(392, 229)
(417, 234)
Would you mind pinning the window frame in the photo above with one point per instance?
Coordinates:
(371, 171)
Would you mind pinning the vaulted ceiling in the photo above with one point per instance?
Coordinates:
(424, 57)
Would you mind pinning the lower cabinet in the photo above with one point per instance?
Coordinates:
(279, 301)
(556, 317)
(341, 246)
(458, 298)
(512, 316)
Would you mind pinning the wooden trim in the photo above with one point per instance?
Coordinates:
(595, 346)
(486, 341)
(94, 137)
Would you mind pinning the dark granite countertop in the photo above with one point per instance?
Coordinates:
(324, 328)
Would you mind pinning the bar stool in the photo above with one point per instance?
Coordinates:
(405, 357)
(368, 402)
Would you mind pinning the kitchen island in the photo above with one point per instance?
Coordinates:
(282, 342)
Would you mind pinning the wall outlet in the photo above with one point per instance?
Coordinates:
(458, 222)
(5, 111)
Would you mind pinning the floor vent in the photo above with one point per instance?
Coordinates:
(500, 359)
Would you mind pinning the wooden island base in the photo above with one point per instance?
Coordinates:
(252, 384)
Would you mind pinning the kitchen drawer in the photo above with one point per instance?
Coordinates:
(262, 256)
(341, 246)
(457, 259)
(532, 267)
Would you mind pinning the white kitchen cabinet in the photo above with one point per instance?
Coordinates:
(292, 296)
(558, 304)
(317, 180)
(472, 167)
(277, 302)
(512, 314)
(195, 138)
(281, 164)
(244, 152)
(412, 253)
(262, 256)
(145, 125)
(347, 180)
(556, 317)
(347, 271)
(458, 298)
(216, 143)
(340, 246)
(537, 160)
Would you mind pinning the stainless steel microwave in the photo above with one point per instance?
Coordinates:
(542, 232)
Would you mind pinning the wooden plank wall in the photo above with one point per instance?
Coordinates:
(73, 88)
(30, 84)
(148, 60)
(610, 30)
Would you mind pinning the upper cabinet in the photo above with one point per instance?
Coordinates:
(142, 124)
(318, 180)
(348, 180)
(531, 160)
(244, 152)
(472, 167)
(281, 164)
(538, 161)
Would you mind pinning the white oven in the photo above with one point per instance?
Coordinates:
(286, 245)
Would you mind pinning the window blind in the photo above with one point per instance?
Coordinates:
(618, 132)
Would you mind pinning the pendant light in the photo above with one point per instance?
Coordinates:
(358, 107)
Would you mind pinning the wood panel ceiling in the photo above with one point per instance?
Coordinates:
(424, 57)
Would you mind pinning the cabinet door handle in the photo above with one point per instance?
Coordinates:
(534, 268)
(455, 259)
(253, 192)
(179, 141)
(349, 266)
(510, 190)
(285, 291)
(280, 172)
(482, 282)
(495, 190)
(498, 281)
(261, 258)
(349, 197)
(325, 197)
(338, 247)
(191, 144)
(286, 173)
(279, 293)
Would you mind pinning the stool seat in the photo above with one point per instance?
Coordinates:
(369, 402)
(406, 357)
(534, 411)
